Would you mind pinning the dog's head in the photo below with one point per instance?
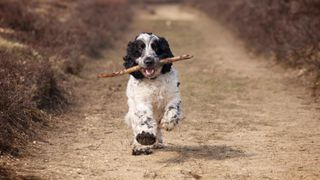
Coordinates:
(146, 51)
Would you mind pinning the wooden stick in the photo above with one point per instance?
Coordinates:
(137, 68)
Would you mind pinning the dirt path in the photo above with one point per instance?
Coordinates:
(244, 119)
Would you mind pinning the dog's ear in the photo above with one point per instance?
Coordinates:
(133, 48)
(129, 59)
(164, 52)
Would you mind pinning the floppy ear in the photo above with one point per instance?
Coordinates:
(129, 59)
(165, 52)
(164, 48)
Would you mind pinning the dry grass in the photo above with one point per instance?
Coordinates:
(286, 29)
(37, 36)
(6, 174)
(71, 29)
(25, 85)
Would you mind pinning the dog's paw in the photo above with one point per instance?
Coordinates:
(168, 125)
(146, 138)
(141, 151)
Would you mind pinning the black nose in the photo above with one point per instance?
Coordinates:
(149, 61)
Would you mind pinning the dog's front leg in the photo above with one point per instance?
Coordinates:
(144, 128)
(172, 115)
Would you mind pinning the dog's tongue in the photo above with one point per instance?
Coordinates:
(149, 71)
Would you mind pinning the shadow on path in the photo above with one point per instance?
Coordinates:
(219, 152)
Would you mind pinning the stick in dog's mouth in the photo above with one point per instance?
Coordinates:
(146, 70)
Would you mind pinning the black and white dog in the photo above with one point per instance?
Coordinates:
(153, 92)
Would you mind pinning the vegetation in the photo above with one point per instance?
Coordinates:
(285, 29)
(43, 43)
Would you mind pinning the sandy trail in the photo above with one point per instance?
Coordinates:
(244, 118)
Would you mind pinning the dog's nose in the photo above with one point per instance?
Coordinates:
(149, 61)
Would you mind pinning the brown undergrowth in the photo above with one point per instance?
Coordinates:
(286, 29)
(43, 43)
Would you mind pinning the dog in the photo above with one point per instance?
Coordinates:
(153, 92)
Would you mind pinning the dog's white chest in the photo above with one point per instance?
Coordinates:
(157, 92)
(154, 91)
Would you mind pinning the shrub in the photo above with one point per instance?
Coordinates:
(62, 31)
(286, 29)
(27, 87)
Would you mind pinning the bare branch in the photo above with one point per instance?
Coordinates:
(137, 68)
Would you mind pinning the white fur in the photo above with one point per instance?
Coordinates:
(151, 104)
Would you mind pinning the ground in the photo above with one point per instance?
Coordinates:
(244, 117)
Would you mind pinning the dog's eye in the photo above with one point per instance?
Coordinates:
(142, 46)
(154, 46)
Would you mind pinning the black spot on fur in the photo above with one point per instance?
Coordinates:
(171, 107)
(176, 107)
(147, 122)
(149, 119)
(140, 114)
(178, 84)
(134, 51)
(179, 106)
(146, 138)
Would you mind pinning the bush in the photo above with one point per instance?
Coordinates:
(27, 87)
(286, 29)
(63, 31)
(87, 28)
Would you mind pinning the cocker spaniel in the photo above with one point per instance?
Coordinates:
(153, 92)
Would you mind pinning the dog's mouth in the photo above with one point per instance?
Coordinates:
(149, 71)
